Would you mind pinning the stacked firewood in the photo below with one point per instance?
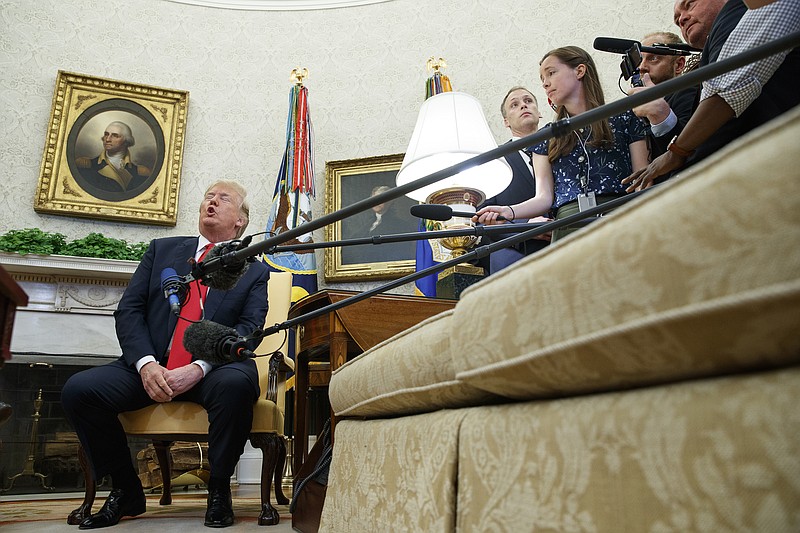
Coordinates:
(189, 464)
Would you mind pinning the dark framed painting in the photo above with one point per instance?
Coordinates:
(113, 151)
(349, 181)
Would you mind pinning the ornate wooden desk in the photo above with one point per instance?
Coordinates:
(342, 334)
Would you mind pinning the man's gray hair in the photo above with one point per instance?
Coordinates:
(126, 132)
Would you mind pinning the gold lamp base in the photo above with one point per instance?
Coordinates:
(458, 197)
(452, 281)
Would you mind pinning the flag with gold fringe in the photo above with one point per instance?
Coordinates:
(425, 257)
(294, 189)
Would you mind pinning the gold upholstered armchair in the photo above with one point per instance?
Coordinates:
(165, 423)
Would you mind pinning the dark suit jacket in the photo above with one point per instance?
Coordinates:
(522, 187)
(144, 322)
(682, 104)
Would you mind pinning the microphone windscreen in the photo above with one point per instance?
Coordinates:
(204, 340)
(611, 44)
(432, 211)
(168, 275)
(228, 276)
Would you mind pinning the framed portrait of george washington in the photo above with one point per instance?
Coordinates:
(113, 151)
(352, 180)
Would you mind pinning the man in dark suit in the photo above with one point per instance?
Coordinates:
(146, 372)
(521, 115)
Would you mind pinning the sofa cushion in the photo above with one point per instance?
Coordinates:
(410, 372)
(700, 276)
(706, 455)
(394, 475)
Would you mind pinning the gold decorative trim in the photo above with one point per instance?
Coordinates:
(72, 178)
(364, 174)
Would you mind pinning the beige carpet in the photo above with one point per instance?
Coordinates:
(184, 514)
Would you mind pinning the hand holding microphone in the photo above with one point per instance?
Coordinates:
(443, 212)
(493, 214)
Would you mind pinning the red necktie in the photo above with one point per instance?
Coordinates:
(178, 356)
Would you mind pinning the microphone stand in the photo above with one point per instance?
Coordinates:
(478, 231)
(477, 253)
(558, 128)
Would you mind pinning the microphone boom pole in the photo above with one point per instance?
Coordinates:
(481, 251)
(558, 128)
(478, 231)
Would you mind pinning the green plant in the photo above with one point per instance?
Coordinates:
(96, 245)
(32, 241)
(36, 241)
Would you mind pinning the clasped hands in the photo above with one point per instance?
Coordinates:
(162, 385)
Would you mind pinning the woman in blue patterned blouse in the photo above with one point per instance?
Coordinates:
(590, 162)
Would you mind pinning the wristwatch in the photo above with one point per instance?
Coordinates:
(676, 149)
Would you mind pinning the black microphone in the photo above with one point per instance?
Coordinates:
(174, 288)
(441, 212)
(621, 46)
(215, 343)
(232, 270)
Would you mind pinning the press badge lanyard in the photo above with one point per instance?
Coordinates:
(586, 199)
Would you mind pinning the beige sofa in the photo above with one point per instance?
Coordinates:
(641, 375)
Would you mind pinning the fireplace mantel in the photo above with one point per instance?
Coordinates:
(69, 316)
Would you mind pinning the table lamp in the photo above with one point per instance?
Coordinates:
(450, 129)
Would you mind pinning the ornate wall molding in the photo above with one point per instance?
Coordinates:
(279, 5)
(67, 265)
(69, 316)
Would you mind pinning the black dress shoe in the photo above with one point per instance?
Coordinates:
(219, 512)
(118, 504)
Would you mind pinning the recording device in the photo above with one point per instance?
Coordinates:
(232, 269)
(215, 343)
(175, 289)
(621, 46)
(441, 212)
(632, 54)
(630, 65)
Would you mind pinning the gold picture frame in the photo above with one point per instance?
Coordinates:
(348, 181)
(76, 177)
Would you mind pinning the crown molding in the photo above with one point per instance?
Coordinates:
(278, 5)
(65, 265)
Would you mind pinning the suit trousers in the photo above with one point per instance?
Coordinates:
(92, 399)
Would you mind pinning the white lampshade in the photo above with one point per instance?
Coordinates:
(452, 128)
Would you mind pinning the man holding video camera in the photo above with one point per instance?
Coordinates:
(714, 122)
(667, 116)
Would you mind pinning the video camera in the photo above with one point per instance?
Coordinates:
(630, 65)
(632, 54)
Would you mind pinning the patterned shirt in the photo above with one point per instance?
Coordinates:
(740, 87)
(606, 166)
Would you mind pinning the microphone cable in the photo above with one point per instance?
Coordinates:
(258, 333)
(194, 283)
